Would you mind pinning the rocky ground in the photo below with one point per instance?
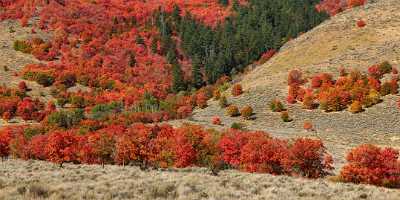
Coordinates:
(42, 180)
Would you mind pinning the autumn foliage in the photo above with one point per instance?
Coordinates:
(333, 7)
(15, 103)
(237, 90)
(361, 23)
(165, 146)
(353, 90)
(258, 152)
(370, 164)
(246, 112)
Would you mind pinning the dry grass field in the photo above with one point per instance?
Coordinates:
(20, 180)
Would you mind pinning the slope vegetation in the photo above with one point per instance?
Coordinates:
(337, 42)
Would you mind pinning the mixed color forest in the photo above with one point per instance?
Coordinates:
(141, 62)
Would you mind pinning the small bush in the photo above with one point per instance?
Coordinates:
(246, 112)
(276, 106)
(308, 101)
(217, 94)
(232, 111)
(361, 23)
(22, 46)
(216, 120)
(309, 158)
(42, 78)
(201, 100)
(308, 126)
(285, 116)
(237, 90)
(237, 126)
(356, 107)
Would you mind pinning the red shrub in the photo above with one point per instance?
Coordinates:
(6, 116)
(316, 82)
(361, 23)
(36, 145)
(308, 158)
(291, 99)
(216, 120)
(232, 142)
(295, 93)
(374, 83)
(29, 110)
(19, 146)
(201, 100)
(125, 150)
(266, 56)
(184, 150)
(62, 146)
(372, 165)
(295, 77)
(237, 90)
(184, 111)
(332, 7)
(22, 86)
(355, 3)
(8, 104)
(308, 126)
(263, 154)
(6, 134)
(101, 146)
(246, 112)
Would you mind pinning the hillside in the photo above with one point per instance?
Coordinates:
(335, 43)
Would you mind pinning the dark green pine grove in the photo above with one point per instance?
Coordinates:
(257, 27)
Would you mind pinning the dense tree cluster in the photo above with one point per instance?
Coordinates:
(164, 146)
(353, 90)
(123, 50)
(16, 103)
